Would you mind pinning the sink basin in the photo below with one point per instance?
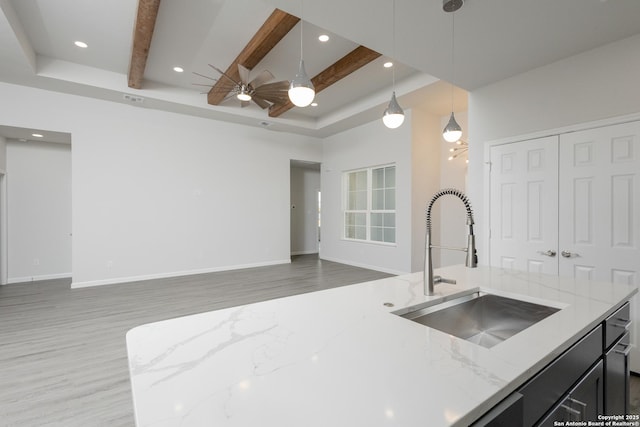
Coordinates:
(484, 319)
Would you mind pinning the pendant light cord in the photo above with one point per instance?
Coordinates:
(453, 49)
(393, 44)
(301, 27)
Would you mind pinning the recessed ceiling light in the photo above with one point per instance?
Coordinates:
(323, 38)
(81, 44)
(178, 69)
(388, 64)
(314, 104)
(37, 135)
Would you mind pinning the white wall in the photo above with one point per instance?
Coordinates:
(594, 85)
(39, 210)
(158, 194)
(305, 184)
(4, 240)
(368, 145)
(451, 214)
(425, 181)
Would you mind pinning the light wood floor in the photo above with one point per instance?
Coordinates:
(63, 359)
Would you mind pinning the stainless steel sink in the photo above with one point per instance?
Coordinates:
(484, 319)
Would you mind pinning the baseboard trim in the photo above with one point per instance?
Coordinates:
(27, 279)
(118, 280)
(367, 266)
(304, 253)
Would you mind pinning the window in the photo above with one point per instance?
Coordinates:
(370, 204)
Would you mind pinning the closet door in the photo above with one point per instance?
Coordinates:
(600, 203)
(600, 209)
(524, 205)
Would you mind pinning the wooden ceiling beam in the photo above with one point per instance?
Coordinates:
(354, 60)
(272, 31)
(142, 35)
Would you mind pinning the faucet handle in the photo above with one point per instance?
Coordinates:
(440, 279)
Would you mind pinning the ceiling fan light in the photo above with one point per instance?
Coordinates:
(393, 116)
(243, 93)
(301, 90)
(243, 96)
(452, 132)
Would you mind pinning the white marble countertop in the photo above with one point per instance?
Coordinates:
(339, 357)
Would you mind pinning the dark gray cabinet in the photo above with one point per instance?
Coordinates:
(616, 362)
(507, 413)
(617, 377)
(591, 378)
(549, 386)
(583, 402)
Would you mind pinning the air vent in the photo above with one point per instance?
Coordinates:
(133, 99)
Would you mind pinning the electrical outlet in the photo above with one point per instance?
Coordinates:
(36, 261)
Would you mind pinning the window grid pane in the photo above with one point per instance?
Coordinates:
(377, 187)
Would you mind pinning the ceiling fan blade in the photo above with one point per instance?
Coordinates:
(223, 89)
(276, 93)
(201, 84)
(277, 99)
(228, 97)
(244, 73)
(223, 74)
(282, 86)
(206, 77)
(261, 102)
(261, 79)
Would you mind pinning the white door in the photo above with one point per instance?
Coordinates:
(524, 205)
(600, 209)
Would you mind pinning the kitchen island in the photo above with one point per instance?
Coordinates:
(343, 357)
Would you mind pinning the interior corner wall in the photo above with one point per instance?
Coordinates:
(39, 210)
(305, 184)
(597, 84)
(426, 150)
(3, 153)
(158, 194)
(371, 144)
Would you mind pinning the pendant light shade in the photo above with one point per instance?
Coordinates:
(301, 90)
(394, 115)
(452, 132)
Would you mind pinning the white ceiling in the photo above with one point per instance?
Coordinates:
(494, 39)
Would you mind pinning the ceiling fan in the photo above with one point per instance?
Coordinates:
(258, 90)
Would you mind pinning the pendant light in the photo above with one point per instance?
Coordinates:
(393, 116)
(452, 132)
(301, 90)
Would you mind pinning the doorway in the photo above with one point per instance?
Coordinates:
(305, 208)
(35, 205)
(4, 277)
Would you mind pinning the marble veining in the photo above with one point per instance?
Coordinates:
(342, 357)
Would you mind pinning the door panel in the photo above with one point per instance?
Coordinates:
(524, 192)
(600, 208)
